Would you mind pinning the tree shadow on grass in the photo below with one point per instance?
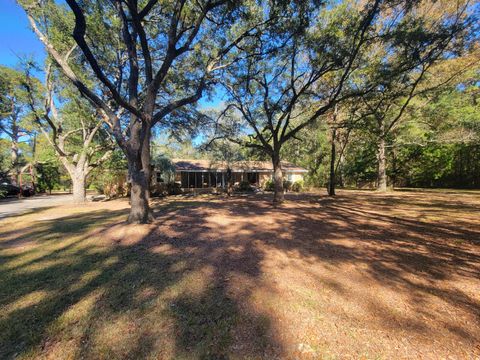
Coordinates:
(91, 287)
(411, 257)
(76, 289)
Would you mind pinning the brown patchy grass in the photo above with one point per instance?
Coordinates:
(363, 275)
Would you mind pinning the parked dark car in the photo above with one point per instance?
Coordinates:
(28, 191)
(7, 189)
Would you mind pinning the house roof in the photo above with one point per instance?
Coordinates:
(246, 165)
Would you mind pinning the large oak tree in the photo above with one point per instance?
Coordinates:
(138, 62)
(74, 130)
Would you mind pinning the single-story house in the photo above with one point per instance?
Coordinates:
(194, 174)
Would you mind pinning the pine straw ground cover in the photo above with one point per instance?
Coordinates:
(364, 275)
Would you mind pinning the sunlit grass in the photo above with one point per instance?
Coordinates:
(232, 278)
(69, 292)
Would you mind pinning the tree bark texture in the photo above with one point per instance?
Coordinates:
(382, 166)
(78, 184)
(278, 195)
(140, 210)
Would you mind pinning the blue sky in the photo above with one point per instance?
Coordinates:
(16, 38)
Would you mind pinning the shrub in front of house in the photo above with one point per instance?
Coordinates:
(287, 185)
(112, 184)
(269, 185)
(174, 188)
(164, 189)
(298, 186)
(244, 186)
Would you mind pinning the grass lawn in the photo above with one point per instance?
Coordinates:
(363, 275)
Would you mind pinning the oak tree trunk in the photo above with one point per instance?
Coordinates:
(382, 166)
(229, 180)
(146, 162)
(78, 184)
(140, 210)
(278, 196)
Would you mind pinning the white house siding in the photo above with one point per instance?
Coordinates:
(295, 177)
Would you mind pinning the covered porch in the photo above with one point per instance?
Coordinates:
(200, 179)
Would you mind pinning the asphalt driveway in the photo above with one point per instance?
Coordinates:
(13, 206)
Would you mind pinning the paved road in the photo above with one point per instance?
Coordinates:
(12, 206)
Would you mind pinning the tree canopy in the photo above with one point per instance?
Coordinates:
(358, 92)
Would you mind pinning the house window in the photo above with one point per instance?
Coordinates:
(252, 177)
(184, 179)
(220, 179)
(289, 177)
(198, 180)
(191, 180)
(213, 179)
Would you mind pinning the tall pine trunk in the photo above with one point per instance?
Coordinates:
(278, 195)
(16, 169)
(14, 159)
